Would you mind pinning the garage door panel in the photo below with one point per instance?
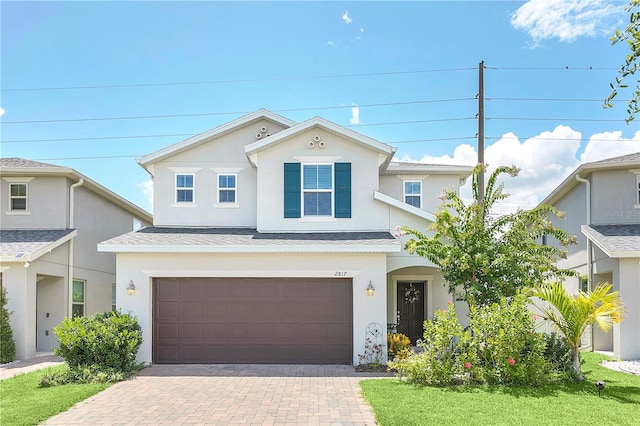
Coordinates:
(252, 320)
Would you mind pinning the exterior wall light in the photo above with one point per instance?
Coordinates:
(600, 386)
(370, 289)
(131, 289)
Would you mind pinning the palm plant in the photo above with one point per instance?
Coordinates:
(572, 314)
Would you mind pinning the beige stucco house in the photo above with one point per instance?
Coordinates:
(273, 242)
(602, 205)
(52, 219)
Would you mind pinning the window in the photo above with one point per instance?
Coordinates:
(227, 189)
(113, 297)
(18, 197)
(184, 188)
(317, 189)
(638, 189)
(413, 193)
(77, 307)
(584, 284)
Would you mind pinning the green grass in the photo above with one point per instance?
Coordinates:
(22, 402)
(397, 403)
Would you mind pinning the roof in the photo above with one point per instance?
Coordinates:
(631, 161)
(216, 132)
(403, 206)
(20, 245)
(248, 240)
(386, 151)
(615, 240)
(396, 167)
(14, 166)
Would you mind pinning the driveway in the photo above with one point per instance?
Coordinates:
(228, 395)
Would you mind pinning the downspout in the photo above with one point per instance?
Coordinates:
(71, 225)
(589, 248)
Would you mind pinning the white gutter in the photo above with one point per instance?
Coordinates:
(589, 248)
(71, 225)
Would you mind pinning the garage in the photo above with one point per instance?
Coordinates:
(252, 320)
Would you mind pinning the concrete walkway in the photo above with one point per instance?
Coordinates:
(229, 395)
(21, 367)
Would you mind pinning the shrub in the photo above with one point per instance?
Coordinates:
(7, 344)
(557, 352)
(82, 374)
(398, 346)
(107, 340)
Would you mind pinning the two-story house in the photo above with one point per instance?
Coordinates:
(601, 200)
(52, 219)
(273, 243)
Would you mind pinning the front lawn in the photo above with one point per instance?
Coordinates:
(397, 403)
(24, 403)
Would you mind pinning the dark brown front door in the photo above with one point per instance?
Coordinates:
(411, 309)
(252, 320)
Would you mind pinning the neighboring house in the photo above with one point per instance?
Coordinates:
(52, 219)
(602, 205)
(272, 243)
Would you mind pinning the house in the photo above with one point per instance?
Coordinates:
(52, 219)
(601, 200)
(272, 243)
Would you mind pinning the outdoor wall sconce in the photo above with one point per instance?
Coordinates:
(131, 289)
(600, 386)
(370, 289)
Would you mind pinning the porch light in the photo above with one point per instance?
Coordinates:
(370, 289)
(131, 289)
(600, 386)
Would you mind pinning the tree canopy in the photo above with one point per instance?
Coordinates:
(485, 257)
(630, 34)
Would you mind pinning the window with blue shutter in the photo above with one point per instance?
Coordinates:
(292, 189)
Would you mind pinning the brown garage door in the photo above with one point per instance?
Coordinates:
(252, 320)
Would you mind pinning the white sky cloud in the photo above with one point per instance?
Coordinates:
(565, 20)
(545, 161)
(346, 18)
(2, 111)
(331, 43)
(147, 190)
(355, 114)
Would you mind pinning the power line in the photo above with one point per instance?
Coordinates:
(553, 119)
(551, 99)
(66, 120)
(247, 80)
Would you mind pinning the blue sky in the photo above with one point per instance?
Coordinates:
(111, 80)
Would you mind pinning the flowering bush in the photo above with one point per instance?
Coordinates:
(398, 345)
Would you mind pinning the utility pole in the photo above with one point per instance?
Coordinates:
(481, 130)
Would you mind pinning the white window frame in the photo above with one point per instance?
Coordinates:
(83, 303)
(331, 215)
(637, 190)
(18, 181)
(24, 197)
(234, 189)
(114, 297)
(405, 194)
(185, 188)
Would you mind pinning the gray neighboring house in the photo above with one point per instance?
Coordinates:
(52, 219)
(601, 200)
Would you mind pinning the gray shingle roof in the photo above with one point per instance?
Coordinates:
(249, 238)
(617, 240)
(621, 159)
(19, 243)
(21, 163)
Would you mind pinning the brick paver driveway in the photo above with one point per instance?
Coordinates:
(228, 394)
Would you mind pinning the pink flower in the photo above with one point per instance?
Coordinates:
(467, 365)
(511, 361)
(397, 235)
(397, 229)
(535, 318)
(449, 302)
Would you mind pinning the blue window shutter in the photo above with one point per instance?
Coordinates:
(342, 192)
(291, 189)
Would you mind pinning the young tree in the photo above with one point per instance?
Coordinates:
(630, 34)
(573, 314)
(7, 344)
(484, 258)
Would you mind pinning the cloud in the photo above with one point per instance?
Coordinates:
(545, 161)
(565, 20)
(147, 190)
(331, 43)
(346, 18)
(2, 111)
(355, 114)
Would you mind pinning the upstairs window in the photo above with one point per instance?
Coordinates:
(317, 189)
(185, 188)
(113, 297)
(413, 193)
(227, 189)
(638, 189)
(18, 197)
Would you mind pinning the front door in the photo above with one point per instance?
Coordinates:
(411, 309)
